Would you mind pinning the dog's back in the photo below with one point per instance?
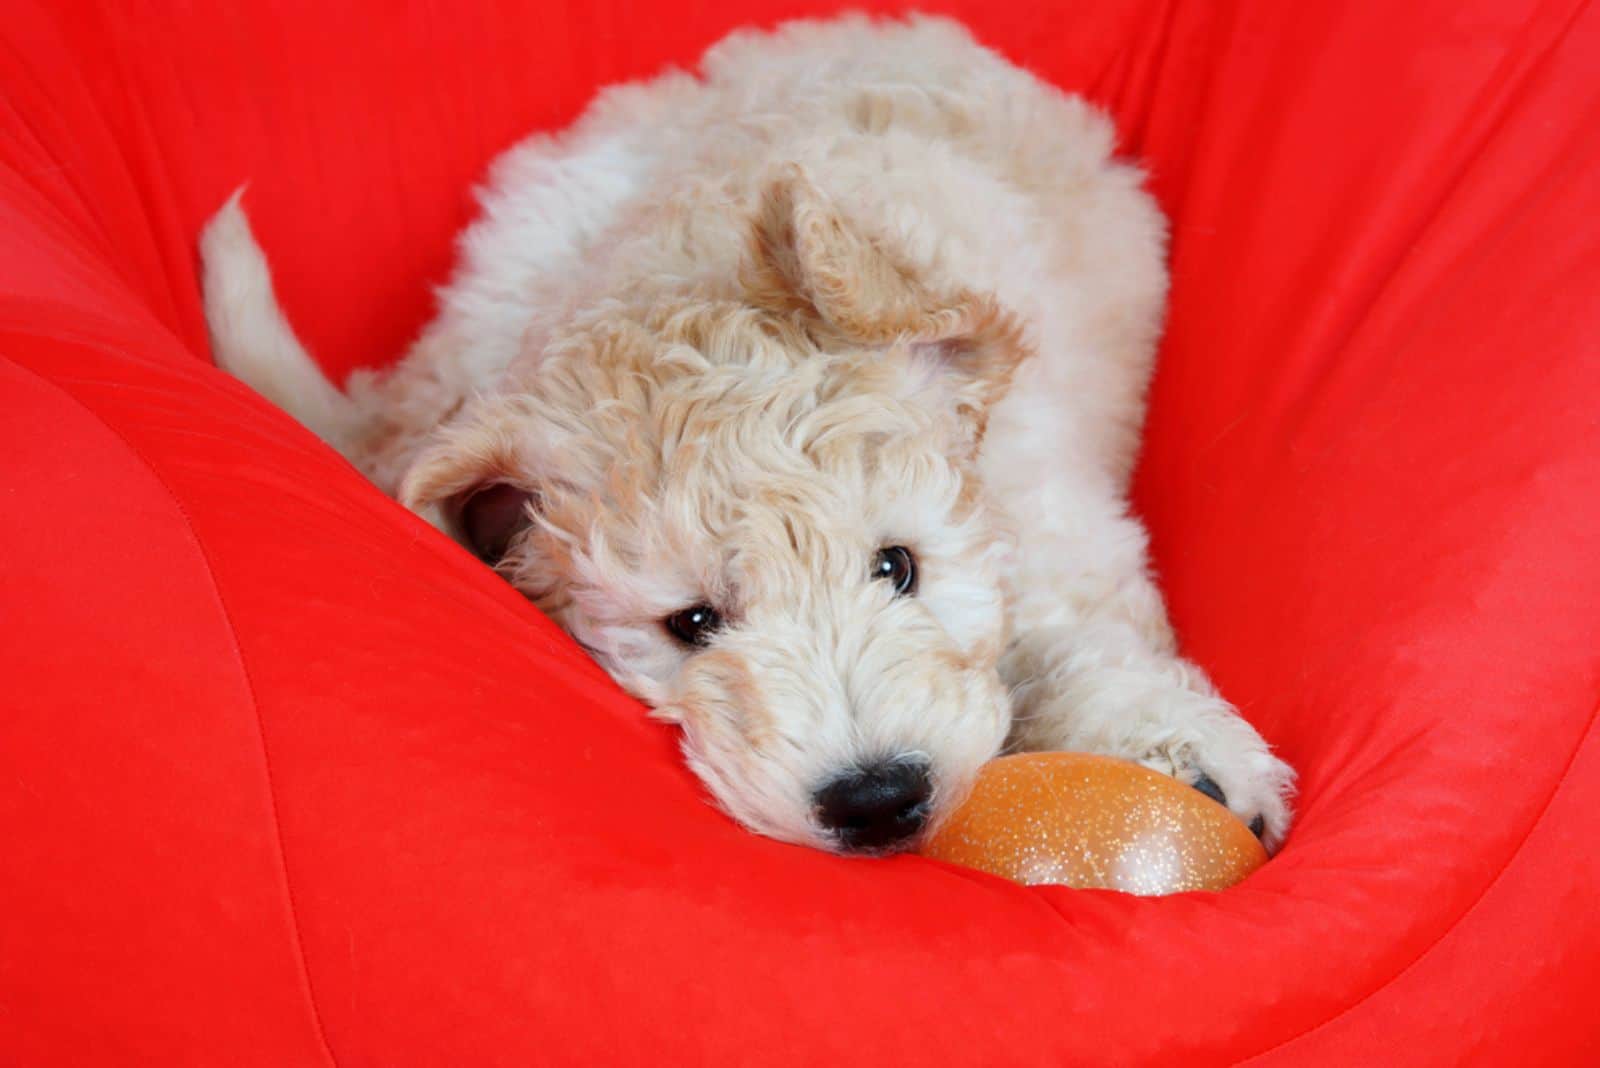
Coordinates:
(976, 173)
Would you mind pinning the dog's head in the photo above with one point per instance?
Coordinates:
(762, 516)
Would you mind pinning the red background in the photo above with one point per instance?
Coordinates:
(285, 778)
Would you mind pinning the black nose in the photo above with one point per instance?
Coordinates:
(878, 807)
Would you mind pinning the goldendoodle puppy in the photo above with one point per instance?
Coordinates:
(804, 394)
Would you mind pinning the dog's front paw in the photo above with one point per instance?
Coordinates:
(1234, 767)
(1258, 798)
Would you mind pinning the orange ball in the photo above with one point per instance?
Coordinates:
(1084, 821)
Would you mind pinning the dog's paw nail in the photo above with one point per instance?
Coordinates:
(1208, 786)
(1258, 826)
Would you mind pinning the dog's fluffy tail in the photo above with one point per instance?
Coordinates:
(253, 341)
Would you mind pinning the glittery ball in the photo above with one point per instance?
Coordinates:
(1077, 820)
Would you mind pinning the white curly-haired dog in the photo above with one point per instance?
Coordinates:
(804, 394)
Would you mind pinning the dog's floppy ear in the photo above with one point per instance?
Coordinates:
(811, 261)
(469, 483)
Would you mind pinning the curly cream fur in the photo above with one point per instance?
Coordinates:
(858, 284)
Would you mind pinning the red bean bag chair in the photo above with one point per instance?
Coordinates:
(288, 779)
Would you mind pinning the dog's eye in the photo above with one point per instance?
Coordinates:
(896, 566)
(694, 625)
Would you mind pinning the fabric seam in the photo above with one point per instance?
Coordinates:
(1465, 914)
(244, 671)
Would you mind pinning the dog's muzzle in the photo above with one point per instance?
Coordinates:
(877, 808)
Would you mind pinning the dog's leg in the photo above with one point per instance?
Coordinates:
(1100, 673)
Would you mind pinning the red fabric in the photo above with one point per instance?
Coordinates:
(287, 779)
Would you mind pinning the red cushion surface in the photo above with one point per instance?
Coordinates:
(286, 778)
